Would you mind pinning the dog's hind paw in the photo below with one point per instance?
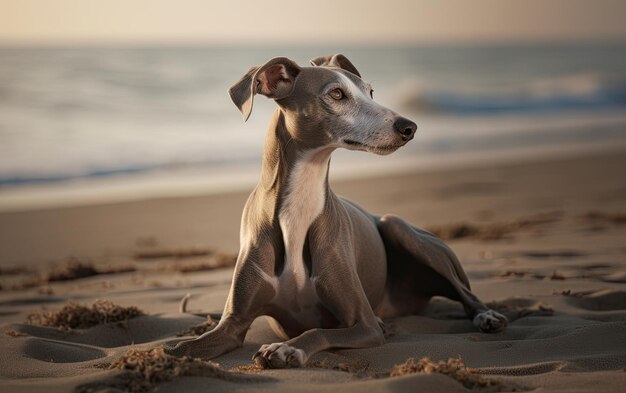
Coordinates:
(279, 355)
(490, 321)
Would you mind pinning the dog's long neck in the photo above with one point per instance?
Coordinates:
(296, 180)
(283, 157)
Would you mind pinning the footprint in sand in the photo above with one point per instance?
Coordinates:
(59, 352)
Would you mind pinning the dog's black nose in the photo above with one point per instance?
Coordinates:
(405, 127)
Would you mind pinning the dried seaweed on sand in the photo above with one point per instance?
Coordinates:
(80, 316)
(453, 367)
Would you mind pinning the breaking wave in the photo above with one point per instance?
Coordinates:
(565, 93)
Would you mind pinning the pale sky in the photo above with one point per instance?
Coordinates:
(309, 21)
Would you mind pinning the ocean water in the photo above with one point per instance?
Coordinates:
(114, 118)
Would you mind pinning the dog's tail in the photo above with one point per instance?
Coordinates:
(182, 308)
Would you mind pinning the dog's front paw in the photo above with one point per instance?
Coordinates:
(182, 348)
(490, 321)
(206, 346)
(279, 355)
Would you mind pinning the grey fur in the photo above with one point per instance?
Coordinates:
(325, 269)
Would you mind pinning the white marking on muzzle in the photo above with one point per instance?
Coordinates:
(366, 125)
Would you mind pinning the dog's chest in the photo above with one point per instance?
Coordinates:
(302, 203)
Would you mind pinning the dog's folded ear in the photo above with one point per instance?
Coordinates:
(337, 60)
(274, 79)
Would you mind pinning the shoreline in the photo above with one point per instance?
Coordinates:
(113, 230)
(197, 182)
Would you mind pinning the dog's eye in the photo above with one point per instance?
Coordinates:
(336, 94)
(372, 93)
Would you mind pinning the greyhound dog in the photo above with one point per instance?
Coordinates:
(323, 268)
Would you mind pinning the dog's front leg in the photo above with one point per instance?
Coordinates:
(343, 295)
(250, 291)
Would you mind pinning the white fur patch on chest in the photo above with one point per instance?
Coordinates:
(302, 204)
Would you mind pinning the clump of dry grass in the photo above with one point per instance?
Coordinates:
(225, 260)
(80, 316)
(520, 274)
(117, 269)
(464, 230)
(71, 271)
(492, 231)
(453, 231)
(14, 333)
(515, 308)
(197, 330)
(603, 217)
(216, 262)
(248, 368)
(555, 276)
(453, 367)
(76, 269)
(146, 369)
(192, 268)
(173, 253)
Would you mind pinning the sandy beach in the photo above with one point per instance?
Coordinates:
(543, 241)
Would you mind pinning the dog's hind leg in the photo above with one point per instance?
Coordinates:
(422, 266)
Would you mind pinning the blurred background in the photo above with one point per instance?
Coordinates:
(118, 100)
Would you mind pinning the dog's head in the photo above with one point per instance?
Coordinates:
(327, 104)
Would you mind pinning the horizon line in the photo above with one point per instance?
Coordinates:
(103, 43)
